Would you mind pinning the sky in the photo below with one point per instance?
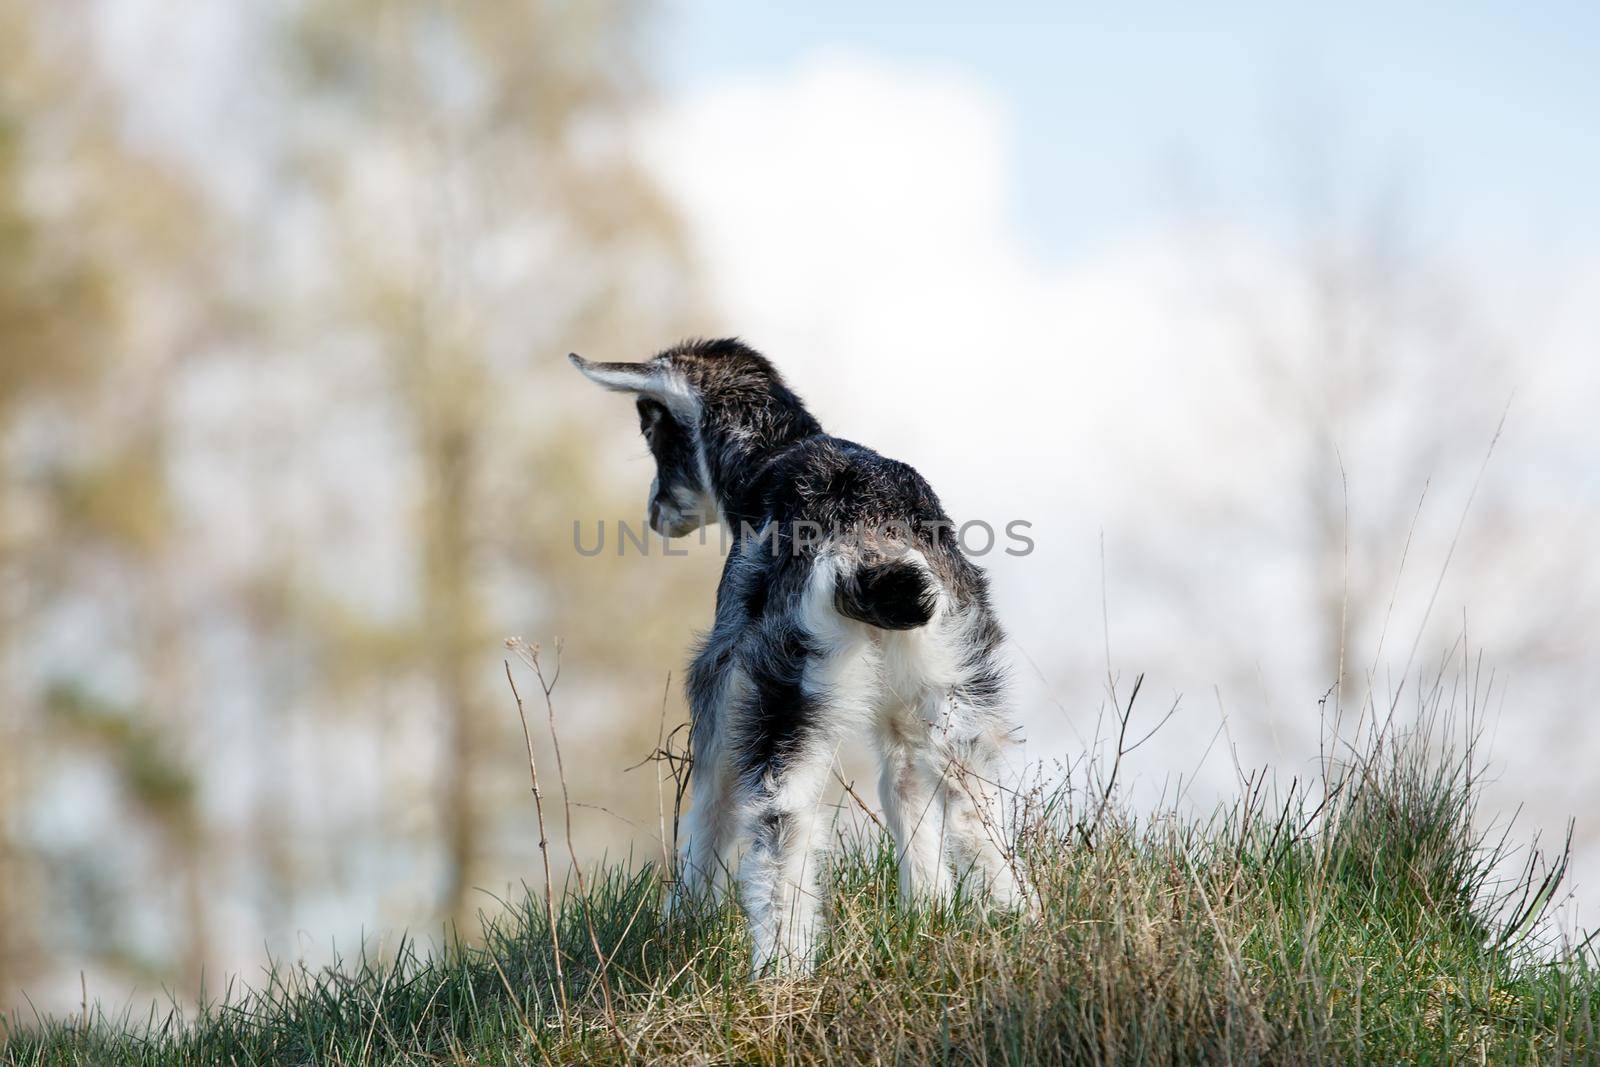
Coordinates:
(1489, 107)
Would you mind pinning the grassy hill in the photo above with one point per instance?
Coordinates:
(1365, 920)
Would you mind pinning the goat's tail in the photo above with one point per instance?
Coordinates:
(894, 594)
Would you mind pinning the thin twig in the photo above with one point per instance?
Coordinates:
(544, 843)
(1444, 568)
(530, 655)
(1176, 701)
(862, 804)
(1105, 620)
(1122, 735)
(679, 765)
(661, 811)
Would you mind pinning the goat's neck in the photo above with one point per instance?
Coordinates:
(736, 459)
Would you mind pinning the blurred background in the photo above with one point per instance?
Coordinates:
(1228, 304)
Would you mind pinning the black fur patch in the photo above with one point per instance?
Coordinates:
(893, 595)
(780, 713)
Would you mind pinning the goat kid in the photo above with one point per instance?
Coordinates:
(845, 607)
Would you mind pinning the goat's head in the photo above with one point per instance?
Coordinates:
(680, 499)
(709, 411)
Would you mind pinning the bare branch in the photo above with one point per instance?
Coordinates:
(544, 841)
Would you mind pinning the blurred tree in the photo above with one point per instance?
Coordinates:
(51, 311)
(1379, 369)
(482, 206)
(1368, 377)
(103, 290)
(278, 471)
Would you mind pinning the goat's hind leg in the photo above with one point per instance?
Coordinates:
(977, 841)
(804, 692)
(913, 806)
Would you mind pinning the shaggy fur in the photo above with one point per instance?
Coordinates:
(845, 607)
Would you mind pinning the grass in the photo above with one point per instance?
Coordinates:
(1367, 919)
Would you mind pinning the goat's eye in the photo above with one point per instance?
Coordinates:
(649, 417)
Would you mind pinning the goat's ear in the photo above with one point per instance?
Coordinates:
(648, 379)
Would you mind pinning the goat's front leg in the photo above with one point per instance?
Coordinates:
(779, 877)
(705, 845)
